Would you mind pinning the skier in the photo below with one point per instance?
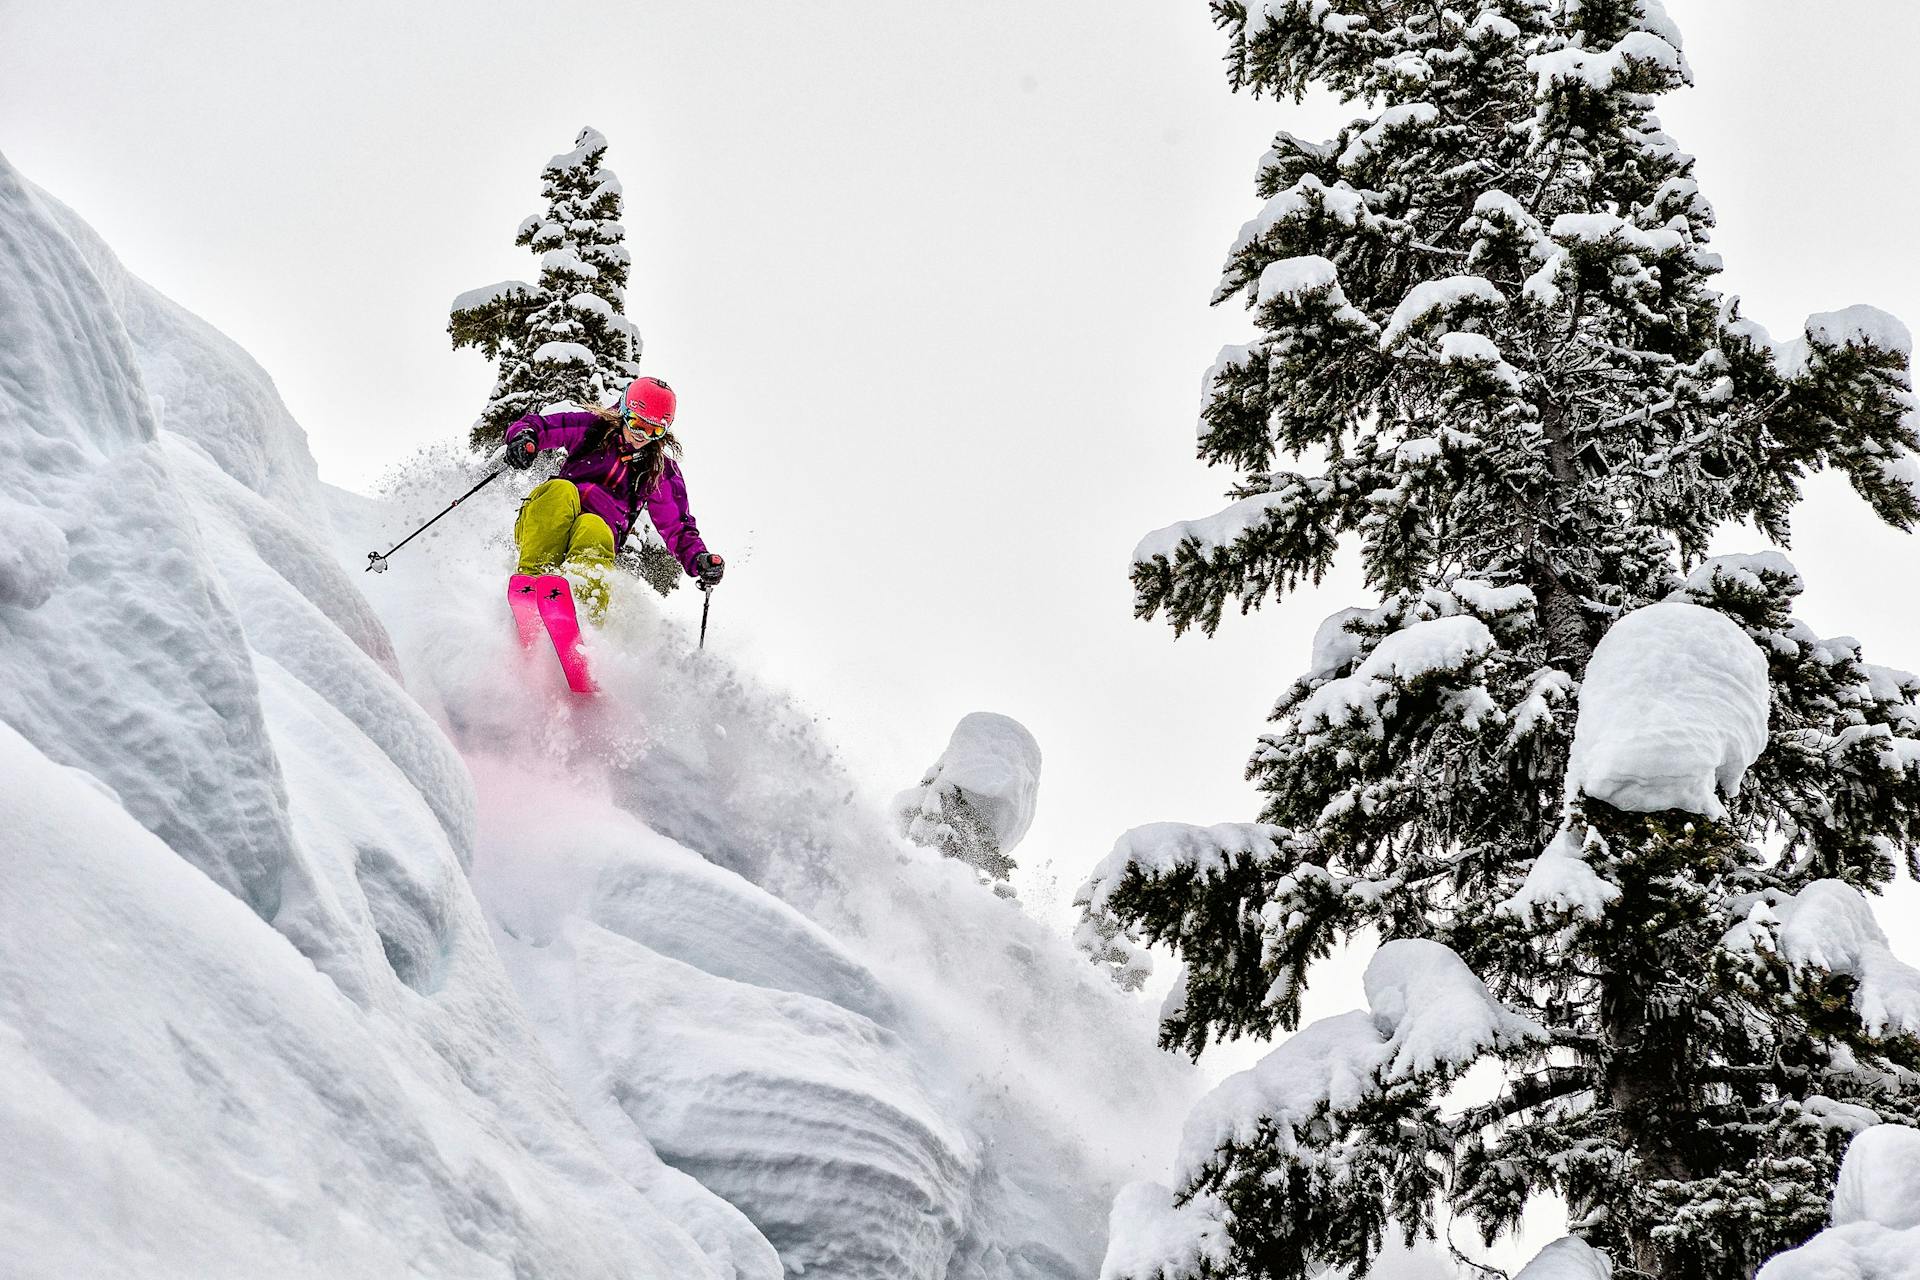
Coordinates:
(617, 459)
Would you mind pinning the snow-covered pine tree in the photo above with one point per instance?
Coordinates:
(565, 340)
(1105, 942)
(1489, 338)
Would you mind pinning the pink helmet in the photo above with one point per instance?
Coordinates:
(649, 400)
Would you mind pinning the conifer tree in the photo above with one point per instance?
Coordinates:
(564, 340)
(1490, 344)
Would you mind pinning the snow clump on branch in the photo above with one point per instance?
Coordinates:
(1674, 704)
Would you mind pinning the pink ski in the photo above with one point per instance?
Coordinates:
(526, 608)
(546, 601)
(555, 596)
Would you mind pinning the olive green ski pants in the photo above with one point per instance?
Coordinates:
(555, 535)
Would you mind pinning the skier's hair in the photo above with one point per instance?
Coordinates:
(655, 452)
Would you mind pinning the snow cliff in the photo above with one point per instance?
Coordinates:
(336, 939)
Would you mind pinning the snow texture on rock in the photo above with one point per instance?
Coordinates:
(1673, 706)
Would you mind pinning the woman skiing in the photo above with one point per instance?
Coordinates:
(617, 460)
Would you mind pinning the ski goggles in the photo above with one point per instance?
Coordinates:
(640, 426)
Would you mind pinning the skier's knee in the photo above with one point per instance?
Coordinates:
(592, 541)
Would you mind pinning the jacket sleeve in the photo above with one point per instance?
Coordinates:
(555, 430)
(667, 508)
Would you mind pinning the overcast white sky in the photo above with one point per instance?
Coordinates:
(931, 280)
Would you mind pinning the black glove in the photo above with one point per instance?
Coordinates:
(710, 567)
(522, 447)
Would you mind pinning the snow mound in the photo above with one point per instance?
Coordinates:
(993, 762)
(1568, 1258)
(157, 1034)
(132, 664)
(1673, 706)
(1876, 1215)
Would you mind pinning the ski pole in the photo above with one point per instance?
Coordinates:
(706, 590)
(377, 560)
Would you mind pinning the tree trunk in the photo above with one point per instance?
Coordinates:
(1561, 616)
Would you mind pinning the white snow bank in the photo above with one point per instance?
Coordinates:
(156, 1034)
(1568, 1258)
(1020, 1047)
(1876, 1215)
(1147, 1237)
(994, 763)
(131, 663)
(1673, 705)
(1428, 1012)
(203, 385)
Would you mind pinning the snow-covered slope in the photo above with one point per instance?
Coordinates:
(336, 939)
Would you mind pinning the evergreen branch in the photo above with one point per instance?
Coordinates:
(1532, 1091)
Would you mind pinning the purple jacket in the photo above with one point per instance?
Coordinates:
(604, 477)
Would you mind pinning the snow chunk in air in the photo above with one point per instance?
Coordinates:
(1674, 704)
